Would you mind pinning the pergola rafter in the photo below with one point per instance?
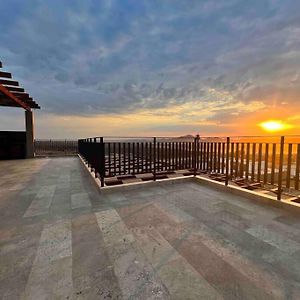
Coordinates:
(11, 94)
(7, 96)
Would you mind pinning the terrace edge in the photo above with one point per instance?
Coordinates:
(289, 206)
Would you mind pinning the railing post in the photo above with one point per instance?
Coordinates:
(227, 160)
(94, 151)
(297, 168)
(196, 139)
(79, 146)
(154, 159)
(102, 161)
(279, 194)
(88, 152)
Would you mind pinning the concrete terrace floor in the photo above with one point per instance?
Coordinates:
(62, 239)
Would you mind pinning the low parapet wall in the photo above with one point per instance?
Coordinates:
(12, 145)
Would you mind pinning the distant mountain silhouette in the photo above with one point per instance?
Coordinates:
(187, 138)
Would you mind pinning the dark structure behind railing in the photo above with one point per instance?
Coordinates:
(55, 147)
(249, 163)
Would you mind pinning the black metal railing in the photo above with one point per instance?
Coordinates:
(55, 147)
(249, 162)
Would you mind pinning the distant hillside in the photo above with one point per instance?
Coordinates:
(186, 138)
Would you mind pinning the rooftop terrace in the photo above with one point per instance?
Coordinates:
(62, 238)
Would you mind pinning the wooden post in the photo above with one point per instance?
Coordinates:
(29, 134)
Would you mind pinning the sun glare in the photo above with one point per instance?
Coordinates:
(274, 126)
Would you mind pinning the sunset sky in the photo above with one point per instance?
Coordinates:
(154, 67)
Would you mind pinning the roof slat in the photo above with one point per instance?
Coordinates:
(15, 89)
(22, 96)
(5, 101)
(9, 82)
(5, 74)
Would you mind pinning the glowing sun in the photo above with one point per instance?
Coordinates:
(274, 125)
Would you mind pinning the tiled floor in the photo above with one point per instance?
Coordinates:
(61, 239)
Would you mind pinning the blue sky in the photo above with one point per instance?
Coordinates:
(184, 66)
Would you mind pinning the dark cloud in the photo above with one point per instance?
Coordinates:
(98, 57)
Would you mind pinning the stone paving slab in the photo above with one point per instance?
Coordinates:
(60, 238)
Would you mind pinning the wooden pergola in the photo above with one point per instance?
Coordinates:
(12, 95)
